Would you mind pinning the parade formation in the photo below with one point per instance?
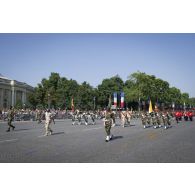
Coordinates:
(153, 118)
(109, 109)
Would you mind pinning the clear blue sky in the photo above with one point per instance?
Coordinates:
(93, 57)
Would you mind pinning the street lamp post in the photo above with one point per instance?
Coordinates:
(173, 106)
(13, 92)
(184, 106)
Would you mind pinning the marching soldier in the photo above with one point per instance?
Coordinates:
(148, 119)
(92, 115)
(177, 116)
(144, 119)
(154, 119)
(190, 115)
(123, 118)
(113, 119)
(79, 116)
(158, 118)
(108, 124)
(76, 116)
(48, 120)
(39, 116)
(166, 119)
(169, 118)
(185, 116)
(85, 116)
(10, 119)
(128, 116)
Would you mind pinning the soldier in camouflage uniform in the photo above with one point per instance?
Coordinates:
(166, 119)
(144, 119)
(39, 116)
(148, 119)
(154, 119)
(169, 116)
(158, 118)
(10, 119)
(113, 119)
(108, 124)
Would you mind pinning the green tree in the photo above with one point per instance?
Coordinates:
(107, 88)
(58, 91)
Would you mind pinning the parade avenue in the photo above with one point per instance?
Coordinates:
(86, 144)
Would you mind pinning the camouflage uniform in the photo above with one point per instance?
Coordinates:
(148, 119)
(10, 119)
(108, 125)
(158, 118)
(165, 120)
(169, 118)
(144, 119)
(154, 119)
(113, 119)
(39, 116)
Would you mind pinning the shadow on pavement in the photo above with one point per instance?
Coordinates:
(27, 129)
(59, 133)
(117, 137)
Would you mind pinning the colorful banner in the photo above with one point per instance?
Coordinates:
(122, 99)
(115, 99)
(150, 107)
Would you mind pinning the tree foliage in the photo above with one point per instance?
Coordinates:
(58, 91)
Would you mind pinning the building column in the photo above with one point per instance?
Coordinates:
(15, 97)
(23, 97)
(1, 101)
(9, 98)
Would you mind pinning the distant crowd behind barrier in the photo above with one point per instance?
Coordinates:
(32, 115)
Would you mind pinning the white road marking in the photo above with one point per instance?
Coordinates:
(15, 122)
(8, 140)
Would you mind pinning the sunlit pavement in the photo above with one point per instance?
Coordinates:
(86, 144)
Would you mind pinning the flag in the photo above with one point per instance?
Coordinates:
(115, 99)
(150, 107)
(72, 104)
(122, 99)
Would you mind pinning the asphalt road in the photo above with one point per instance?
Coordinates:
(86, 144)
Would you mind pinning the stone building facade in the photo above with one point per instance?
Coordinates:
(13, 92)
